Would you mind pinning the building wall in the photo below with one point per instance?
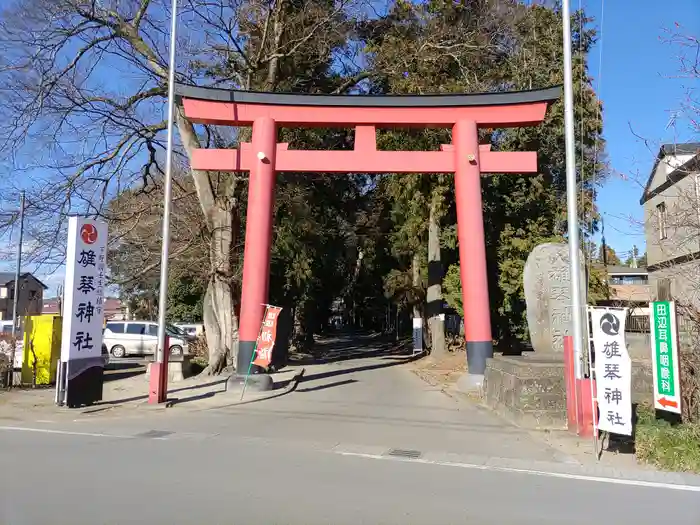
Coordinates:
(631, 292)
(31, 299)
(683, 280)
(683, 222)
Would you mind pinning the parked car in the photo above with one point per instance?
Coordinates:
(124, 338)
(193, 329)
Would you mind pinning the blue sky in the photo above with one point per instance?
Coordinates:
(634, 72)
(639, 91)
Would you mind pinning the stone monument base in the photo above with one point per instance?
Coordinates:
(179, 368)
(530, 390)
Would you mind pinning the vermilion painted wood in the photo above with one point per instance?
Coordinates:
(365, 160)
(258, 235)
(464, 114)
(470, 232)
(239, 114)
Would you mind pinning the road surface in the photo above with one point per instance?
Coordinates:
(321, 455)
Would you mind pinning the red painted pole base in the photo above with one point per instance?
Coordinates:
(585, 415)
(579, 394)
(158, 384)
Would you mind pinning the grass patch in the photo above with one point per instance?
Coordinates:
(668, 447)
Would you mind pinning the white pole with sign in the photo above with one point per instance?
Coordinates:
(613, 370)
(664, 355)
(82, 363)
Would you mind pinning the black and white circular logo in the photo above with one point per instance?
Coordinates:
(610, 324)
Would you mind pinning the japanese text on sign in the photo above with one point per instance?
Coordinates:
(665, 356)
(84, 289)
(613, 369)
(266, 339)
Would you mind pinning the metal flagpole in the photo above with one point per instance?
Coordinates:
(167, 198)
(577, 307)
(17, 270)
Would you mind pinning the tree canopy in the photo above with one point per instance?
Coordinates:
(86, 121)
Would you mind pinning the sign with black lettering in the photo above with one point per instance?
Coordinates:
(613, 370)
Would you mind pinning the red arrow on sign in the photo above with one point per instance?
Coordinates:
(668, 403)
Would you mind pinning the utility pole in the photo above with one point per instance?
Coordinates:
(19, 265)
(11, 369)
(571, 195)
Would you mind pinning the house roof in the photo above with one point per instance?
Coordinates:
(9, 277)
(110, 304)
(689, 148)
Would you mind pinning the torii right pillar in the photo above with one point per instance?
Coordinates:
(472, 251)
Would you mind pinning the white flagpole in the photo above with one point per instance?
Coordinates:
(167, 198)
(571, 195)
(577, 306)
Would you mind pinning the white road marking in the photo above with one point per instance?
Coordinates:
(64, 432)
(493, 468)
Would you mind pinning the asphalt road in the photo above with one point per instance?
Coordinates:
(321, 455)
(212, 479)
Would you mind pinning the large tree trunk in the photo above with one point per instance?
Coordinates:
(220, 319)
(436, 325)
(415, 267)
(220, 210)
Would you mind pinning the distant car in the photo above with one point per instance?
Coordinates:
(191, 329)
(124, 338)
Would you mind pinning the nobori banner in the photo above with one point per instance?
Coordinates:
(664, 355)
(83, 315)
(613, 370)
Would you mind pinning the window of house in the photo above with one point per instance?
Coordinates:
(663, 290)
(662, 219)
(33, 295)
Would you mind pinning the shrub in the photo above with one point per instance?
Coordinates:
(666, 446)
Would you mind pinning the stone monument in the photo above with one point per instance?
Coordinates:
(547, 284)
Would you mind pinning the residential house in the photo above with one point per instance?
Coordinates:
(671, 203)
(629, 287)
(113, 308)
(29, 300)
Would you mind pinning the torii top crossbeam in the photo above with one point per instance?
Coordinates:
(366, 113)
(241, 108)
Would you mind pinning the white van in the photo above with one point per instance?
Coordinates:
(124, 338)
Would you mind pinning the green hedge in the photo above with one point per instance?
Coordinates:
(669, 447)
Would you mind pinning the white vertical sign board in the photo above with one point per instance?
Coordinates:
(83, 314)
(613, 370)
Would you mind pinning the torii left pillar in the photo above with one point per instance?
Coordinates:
(256, 257)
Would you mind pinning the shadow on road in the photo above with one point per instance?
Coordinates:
(125, 374)
(328, 385)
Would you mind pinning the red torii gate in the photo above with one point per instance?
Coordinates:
(463, 113)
